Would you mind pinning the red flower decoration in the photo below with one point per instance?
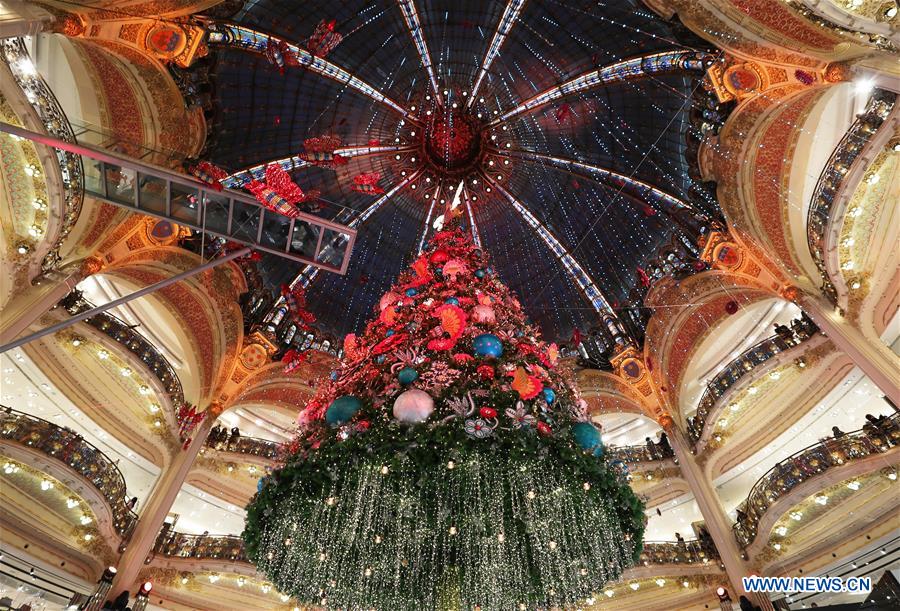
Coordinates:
(439, 345)
(487, 412)
(544, 429)
(462, 357)
(386, 344)
(486, 372)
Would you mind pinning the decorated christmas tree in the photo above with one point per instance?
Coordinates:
(448, 463)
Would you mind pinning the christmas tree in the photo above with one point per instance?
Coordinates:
(449, 462)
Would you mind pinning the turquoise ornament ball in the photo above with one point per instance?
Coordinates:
(407, 375)
(549, 395)
(480, 273)
(389, 332)
(488, 344)
(342, 410)
(588, 437)
(411, 292)
(452, 301)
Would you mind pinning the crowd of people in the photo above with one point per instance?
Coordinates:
(221, 438)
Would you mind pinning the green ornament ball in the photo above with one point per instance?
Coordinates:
(342, 410)
(407, 376)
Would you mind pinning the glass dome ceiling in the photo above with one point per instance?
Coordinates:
(558, 116)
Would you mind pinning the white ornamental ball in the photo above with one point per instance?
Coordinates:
(484, 314)
(413, 405)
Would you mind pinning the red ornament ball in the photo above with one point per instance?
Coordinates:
(544, 429)
(439, 257)
(732, 307)
(487, 412)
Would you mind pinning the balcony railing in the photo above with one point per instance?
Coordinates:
(636, 454)
(134, 342)
(69, 447)
(251, 446)
(806, 464)
(822, 207)
(201, 547)
(694, 551)
(743, 365)
(51, 114)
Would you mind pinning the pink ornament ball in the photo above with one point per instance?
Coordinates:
(413, 406)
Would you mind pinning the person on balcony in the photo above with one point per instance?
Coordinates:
(235, 438)
(836, 432)
(665, 450)
(783, 331)
(652, 450)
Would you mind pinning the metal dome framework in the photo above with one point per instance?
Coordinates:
(583, 111)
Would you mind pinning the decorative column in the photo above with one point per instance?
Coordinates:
(717, 522)
(27, 307)
(158, 505)
(874, 358)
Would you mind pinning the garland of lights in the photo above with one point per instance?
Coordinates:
(448, 463)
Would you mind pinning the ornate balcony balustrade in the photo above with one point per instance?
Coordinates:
(173, 544)
(806, 464)
(825, 208)
(694, 551)
(52, 116)
(251, 446)
(635, 454)
(123, 333)
(743, 365)
(69, 447)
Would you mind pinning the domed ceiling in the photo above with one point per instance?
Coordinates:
(530, 104)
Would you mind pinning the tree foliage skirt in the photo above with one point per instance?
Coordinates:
(414, 520)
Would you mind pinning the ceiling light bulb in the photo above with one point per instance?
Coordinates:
(660, 582)
(634, 586)
(85, 520)
(854, 485)
(71, 503)
(46, 484)
(103, 355)
(822, 499)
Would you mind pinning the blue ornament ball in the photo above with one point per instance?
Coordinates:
(389, 332)
(588, 437)
(549, 395)
(379, 359)
(259, 484)
(488, 344)
(407, 375)
(411, 292)
(480, 273)
(452, 301)
(342, 410)
(334, 376)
